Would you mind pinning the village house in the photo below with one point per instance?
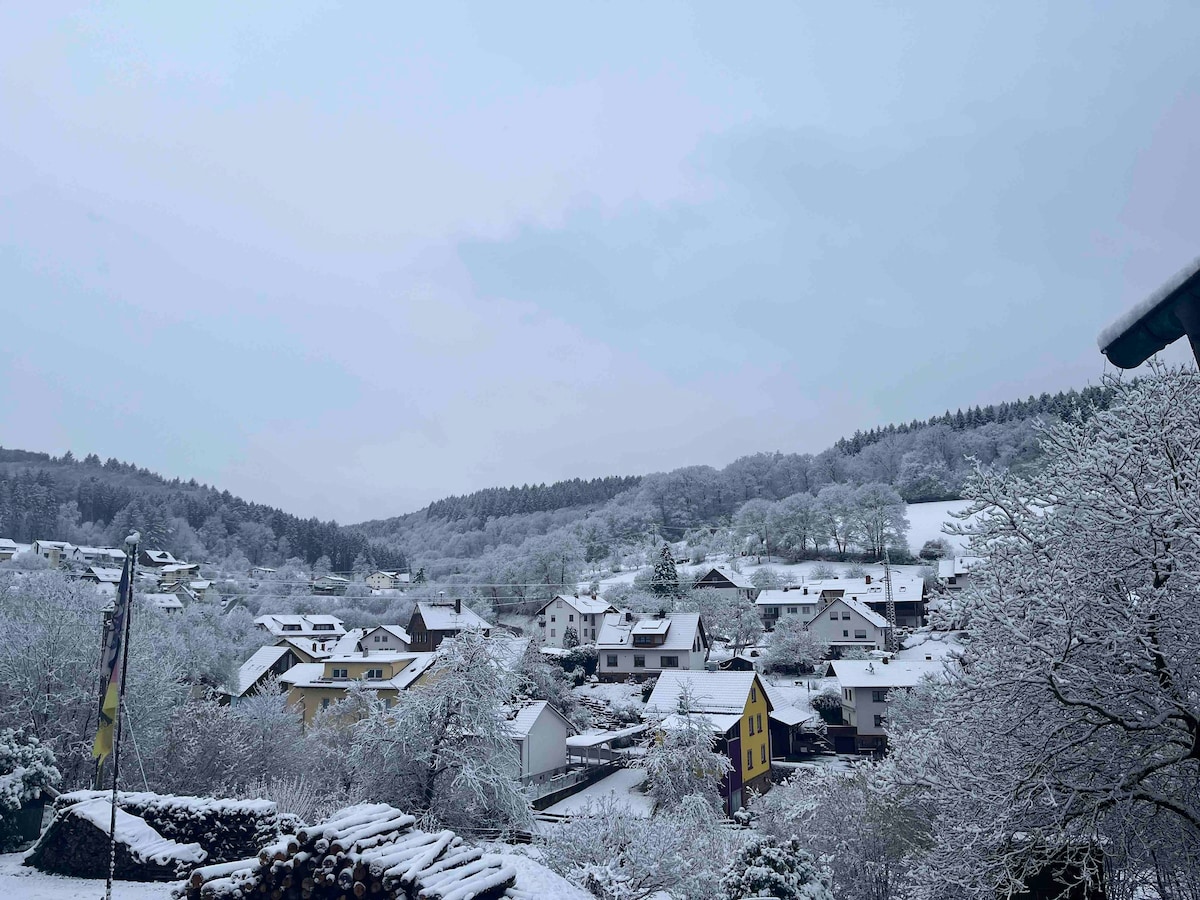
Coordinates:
(387, 581)
(168, 603)
(261, 572)
(313, 687)
(737, 706)
(867, 686)
(908, 593)
(54, 552)
(582, 615)
(8, 549)
(631, 647)
(265, 662)
(845, 622)
(311, 627)
(96, 556)
(540, 733)
(101, 575)
(958, 572)
(432, 623)
(723, 578)
(330, 584)
(203, 589)
(156, 559)
(385, 638)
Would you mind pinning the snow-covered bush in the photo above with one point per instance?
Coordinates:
(781, 870)
(681, 761)
(26, 769)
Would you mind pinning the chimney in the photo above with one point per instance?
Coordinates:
(458, 605)
(628, 616)
(593, 594)
(576, 594)
(868, 578)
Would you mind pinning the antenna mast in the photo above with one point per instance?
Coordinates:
(891, 602)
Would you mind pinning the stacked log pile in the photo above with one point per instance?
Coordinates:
(77, 843)
(368, 851)
(227, 829)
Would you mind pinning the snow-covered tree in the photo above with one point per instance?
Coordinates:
(782, 870)
(1072, 734)
(879, 518)
(793, 648)
(616, 855)
(445, 753)
(665, 580)
(26, 770)
(680, 758)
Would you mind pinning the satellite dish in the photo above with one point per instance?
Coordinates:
(1168, 314)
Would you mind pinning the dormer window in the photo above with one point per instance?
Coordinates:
(341, 673)
(374, 673)
(291, 627)
(323, 627)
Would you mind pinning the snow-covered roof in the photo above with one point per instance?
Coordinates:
(396, 631)
(521, 719)
(904, 587)
(275, 623)
(791, 715)
(720, 722)
(160, 556)
(959, 565)
(737, 579)
(303, 674)
(596, 738)
(165, 601)
(110, 552)
(444, 617)
(583, 604)
(112, 576)
(309, 646)
(256, 666)
(617, 633)
(312, 674)
(178, 568)
(369, 656)
(7, 544)
(337, 579)
(855, 606)
(852, 673)
(712, 692)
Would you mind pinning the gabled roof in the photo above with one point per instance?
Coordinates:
(442, 617)
(854, 606)
(712, 692)
(8, 544)
(335, 578)
(395, 631)
(959, 565)
(256, 666)
(312, 674)
(522, 718)
(275, 621)
(302, 674)
(737, 579)
(110, 552)
(160, 556)
(347, 643)
(165, 601)
(904, 587)
(585, 604)
(107, 575)
(877, 674)
(617, 634)
(305, 646)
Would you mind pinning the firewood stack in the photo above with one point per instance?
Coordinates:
(370, 850)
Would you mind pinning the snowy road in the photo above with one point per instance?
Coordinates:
(19, 882)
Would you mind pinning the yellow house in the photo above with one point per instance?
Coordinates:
(318, 685)
(739, 709)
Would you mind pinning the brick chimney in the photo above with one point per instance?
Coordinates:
(868, 578)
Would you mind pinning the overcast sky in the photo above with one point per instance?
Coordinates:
(347, 261)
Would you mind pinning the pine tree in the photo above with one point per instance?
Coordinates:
(665, 580)
(785, 871)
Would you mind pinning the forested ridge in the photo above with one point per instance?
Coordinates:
(96, 502)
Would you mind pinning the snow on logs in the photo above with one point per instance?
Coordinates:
(369, 850)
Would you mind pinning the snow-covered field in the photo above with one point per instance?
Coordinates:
(622, 784)
(18, 882)
(925, 521)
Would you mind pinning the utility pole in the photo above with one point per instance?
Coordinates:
(891, 602)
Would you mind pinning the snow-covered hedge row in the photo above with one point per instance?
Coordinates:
(226, 829)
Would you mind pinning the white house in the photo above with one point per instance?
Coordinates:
(958, 572)
(908, 593)
(52, 551)
(101, 575)
(846, 622)
(540, 732)
(97, 556)
(384, 638)
(385, 581)
(775, 605)
(321, 627)
(330, 584)
(8, 549)
(630, 647)
(866, 687)
(584, 615)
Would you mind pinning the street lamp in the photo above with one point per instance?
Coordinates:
(1161, 319)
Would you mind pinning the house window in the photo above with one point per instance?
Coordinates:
(668, 662)
(291, 627)
(849, 692)
(952, 580)
(551, 632)
(374, 673)
(845, 633)
(807, 610)
(879, 696)
(341, 673)
(791, 610)
(750, 722)
(759, 718)
(612, 661)
(593, 634)
(639, 661)
(878, 721)
(749, 759)
(558, 604)
(377, 639)
(552, 618)
(763, 753)
(322, 628)
(833, 616)
(754, 693)
(845, 617)
(860, 634)
(571, 617)
(325, 703)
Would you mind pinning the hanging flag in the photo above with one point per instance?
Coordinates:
(111, 670)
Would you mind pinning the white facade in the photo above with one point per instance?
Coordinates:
(867, 685)
(634, 648)
(848, 623)
(583, 614)
(540, 733)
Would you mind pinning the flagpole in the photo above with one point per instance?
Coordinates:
(131, 544)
